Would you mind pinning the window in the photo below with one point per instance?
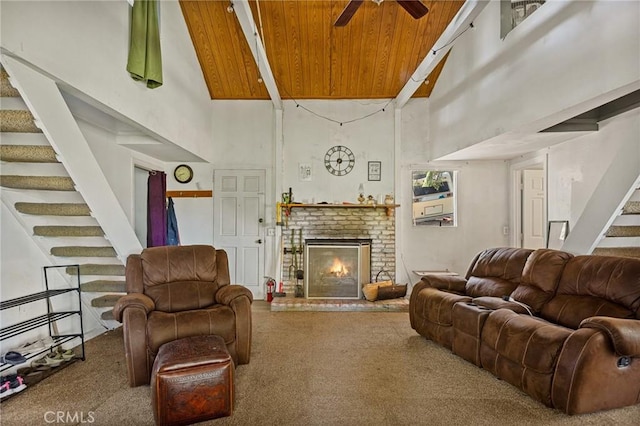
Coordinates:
(434, 202)
(513, 12)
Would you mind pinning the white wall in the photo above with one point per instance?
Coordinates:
(482, 204)
(549, 68)
(194, 215)
(308, 137)
(576, 167)
(85, 44)
(22, 274)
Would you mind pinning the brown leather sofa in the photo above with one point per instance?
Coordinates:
(493, 272)
(176, 292)
(570, 337)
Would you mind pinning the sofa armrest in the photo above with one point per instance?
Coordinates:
(134, 300)
(451, 283)
(226, 294)
(624, 333)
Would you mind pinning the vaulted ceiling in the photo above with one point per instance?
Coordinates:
(373, 56)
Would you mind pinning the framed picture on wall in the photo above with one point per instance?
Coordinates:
(375, 170)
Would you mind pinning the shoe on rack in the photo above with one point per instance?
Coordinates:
(13, 358)
(67, 354)
(52, 359)
(35, 346)
(5, 388)
(16, 383)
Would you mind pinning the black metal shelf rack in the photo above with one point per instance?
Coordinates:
(46, 319)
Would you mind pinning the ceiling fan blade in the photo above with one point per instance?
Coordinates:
(348, 12)
(414, 7)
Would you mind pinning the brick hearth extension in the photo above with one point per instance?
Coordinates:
(338, 221)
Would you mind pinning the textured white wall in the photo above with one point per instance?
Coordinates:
(564, 56)
(21, 274)
(85, 45)
(576, 167)
(307, 139)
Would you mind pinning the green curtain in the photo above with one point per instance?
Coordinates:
(145, 60)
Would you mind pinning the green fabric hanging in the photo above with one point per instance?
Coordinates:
(145, 60)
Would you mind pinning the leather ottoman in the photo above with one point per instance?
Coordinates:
(192, 381)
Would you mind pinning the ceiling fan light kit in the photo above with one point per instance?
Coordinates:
(415, 8)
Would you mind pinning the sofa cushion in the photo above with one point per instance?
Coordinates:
(523, 351)
(496, 272)
(163, 327)
(595, 286)
(531, 342)
(184, 280)
(540, 277)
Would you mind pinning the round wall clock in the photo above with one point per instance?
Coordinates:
(339, 160)
(183, 173)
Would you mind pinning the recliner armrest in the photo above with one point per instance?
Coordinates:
(452, 283)
(624, 333)
(134, 300)
(226, 294)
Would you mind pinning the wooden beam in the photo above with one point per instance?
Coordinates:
(250, 30)
(463, 19)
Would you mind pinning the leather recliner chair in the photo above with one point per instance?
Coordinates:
(180, 291)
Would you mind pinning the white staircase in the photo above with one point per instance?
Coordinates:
(623, 236)
(36, 187)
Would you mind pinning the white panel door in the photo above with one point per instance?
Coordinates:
(238, 222)
(533, 209)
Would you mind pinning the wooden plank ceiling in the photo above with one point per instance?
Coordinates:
(373, 56)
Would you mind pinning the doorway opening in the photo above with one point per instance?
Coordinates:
(529, 209)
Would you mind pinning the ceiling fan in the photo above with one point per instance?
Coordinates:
(415, 8)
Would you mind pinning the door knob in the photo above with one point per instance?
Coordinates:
(260, 220)
(259, 241)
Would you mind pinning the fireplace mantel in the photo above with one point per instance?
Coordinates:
(389, 207)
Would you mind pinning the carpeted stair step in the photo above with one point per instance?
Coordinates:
(106, 301)
(6, 89)
(54, 209)
(68, 231)
(82, 251)
(623, 231)
(46, 183)
(618, 251)
(104, 286)
(98, 269)
(632, 207)
(17, 121)
(107, 315)
(28, 154)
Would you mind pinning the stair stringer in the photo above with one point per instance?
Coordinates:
(615, 188)
(53, 117)
(86, 299)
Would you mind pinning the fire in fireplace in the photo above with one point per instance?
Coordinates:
(336, 268)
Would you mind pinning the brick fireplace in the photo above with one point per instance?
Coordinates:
(376, 224)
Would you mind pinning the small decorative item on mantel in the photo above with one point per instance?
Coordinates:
(371, 201)
(388, 199)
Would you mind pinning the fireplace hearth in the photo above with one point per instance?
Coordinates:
(336, 268)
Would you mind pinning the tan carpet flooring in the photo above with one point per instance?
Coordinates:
(311, 368)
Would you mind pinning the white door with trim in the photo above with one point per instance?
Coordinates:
(238, 222)
(533, 209)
